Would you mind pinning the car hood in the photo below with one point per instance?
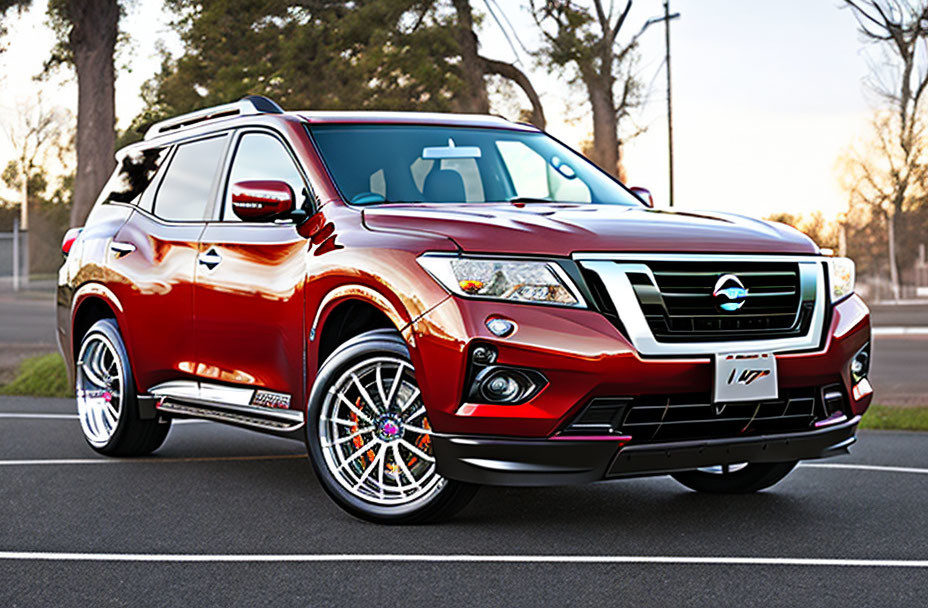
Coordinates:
(563, 229)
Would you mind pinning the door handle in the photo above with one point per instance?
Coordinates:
(210, 259)
(121, 249)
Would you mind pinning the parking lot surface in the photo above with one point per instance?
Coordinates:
(224, 516)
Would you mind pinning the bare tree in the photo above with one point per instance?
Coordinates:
(475, 67)
(87, 31)
(587, 40)
(891, 179)
(33, 133)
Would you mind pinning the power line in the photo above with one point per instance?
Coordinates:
(503, 29)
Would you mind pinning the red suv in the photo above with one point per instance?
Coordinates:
(435, 302)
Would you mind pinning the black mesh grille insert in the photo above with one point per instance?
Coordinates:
(681, 305)
(693, 416)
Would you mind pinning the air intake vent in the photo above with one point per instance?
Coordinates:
(693, 416)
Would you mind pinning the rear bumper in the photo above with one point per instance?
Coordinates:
(547, 462)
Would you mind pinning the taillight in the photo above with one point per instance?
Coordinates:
(68, 241)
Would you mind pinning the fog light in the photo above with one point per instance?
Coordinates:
(501, 387)
(857, 367)
(506, 385)
(483, 354)
(860, 364)
(501, 327)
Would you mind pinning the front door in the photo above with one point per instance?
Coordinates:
(250, 278)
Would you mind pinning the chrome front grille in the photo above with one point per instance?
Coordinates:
(669, 304)
(678, 303)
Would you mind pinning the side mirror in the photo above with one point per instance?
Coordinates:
(262, 200)
(644, 195)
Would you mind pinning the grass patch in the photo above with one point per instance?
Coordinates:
(40, 376)
(888, 417)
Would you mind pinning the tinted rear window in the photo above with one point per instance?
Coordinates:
(133, 175)
(184, 194)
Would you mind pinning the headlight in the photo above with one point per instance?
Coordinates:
(840, 277)
(513, 280)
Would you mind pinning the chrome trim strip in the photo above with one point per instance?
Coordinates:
(228, 398)
(613, 273)
(695, 257)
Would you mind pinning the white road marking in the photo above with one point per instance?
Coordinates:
(66, 461)
(462, 558)
(899, 331)
(863, 467)
(41, 416)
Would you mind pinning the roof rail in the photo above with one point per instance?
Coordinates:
(252, 104)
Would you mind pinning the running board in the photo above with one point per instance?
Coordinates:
(234, 405)
(216, 413)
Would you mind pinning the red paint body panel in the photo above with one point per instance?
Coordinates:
(249, 309)
(563, 229)
(155, 287)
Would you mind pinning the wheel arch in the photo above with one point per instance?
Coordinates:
(348, 312)
(93, 302)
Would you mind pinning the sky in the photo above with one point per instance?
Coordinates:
(766, 95)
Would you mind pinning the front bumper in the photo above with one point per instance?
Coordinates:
(546, 462)
(585, 357)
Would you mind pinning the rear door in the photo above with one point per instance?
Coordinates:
(155, 255)
(249, 284)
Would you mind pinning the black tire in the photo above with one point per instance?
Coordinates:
(132, 435)
(751, 478)
(448, 496)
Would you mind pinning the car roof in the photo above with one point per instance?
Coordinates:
(412, 118)
(254, 109)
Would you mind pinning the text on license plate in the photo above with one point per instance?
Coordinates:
(745, 377)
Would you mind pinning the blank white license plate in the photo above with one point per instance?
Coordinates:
(745, 377)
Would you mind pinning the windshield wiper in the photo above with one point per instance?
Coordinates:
(529, 199)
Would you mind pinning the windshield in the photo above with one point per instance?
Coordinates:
(373, 164)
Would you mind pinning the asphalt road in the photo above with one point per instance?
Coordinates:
(900, 370)
(899, 315)
(217, 491)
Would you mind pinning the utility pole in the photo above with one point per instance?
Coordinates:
(24, 226)
(667, 18)
(24, 196)
(15, 254)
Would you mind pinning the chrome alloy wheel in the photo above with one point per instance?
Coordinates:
(723, 469)
(99, 390)
(375, 436)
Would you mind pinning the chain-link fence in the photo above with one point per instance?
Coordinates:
(14, 259)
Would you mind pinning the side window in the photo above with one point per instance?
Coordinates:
(261, 156)
(133, 175)
(186, 187)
